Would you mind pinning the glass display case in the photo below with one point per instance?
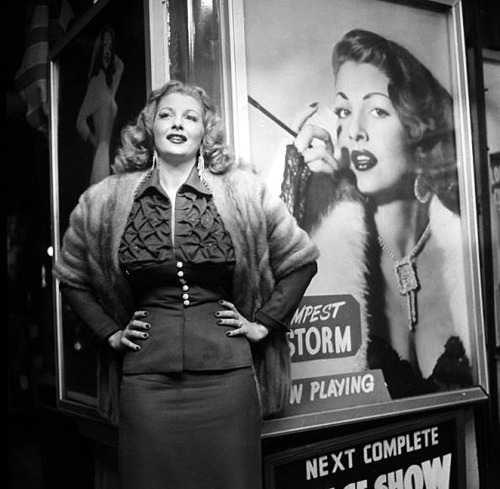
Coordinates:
(264, 63)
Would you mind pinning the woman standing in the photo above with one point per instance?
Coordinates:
(213, 267)
(381, 203)
(99, 105)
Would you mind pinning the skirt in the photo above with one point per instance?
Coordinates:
(190, 430)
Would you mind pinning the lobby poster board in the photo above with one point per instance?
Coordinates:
(124, 36)
(277, 61)
(426, 452)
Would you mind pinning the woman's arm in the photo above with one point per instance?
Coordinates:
(290, 247)
(119, 66)
(88, 107)
(86, 306)
(277, 312)
(292, 257)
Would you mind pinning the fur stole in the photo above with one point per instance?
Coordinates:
(333, 212)
(342, 235)
(268, 245)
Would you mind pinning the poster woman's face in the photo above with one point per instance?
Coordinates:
(369, 128)
(178, 127)
(107, 45)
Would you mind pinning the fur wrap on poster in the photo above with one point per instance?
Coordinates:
(336, 216)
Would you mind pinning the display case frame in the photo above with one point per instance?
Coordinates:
(236, 78)
(139, 35)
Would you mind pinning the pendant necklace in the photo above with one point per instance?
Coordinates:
(407, 275)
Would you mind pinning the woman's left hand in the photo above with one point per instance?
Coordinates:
(230, 316)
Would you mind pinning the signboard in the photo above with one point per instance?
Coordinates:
(426, 453)
(326, 341)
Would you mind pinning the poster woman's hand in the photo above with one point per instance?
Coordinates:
(230, 316)
(319, 158)
(135, 330)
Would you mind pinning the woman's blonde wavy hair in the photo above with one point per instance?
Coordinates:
(137, 141)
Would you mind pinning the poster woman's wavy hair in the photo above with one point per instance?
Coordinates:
(97, 63)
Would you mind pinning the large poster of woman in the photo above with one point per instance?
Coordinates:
(360, 124)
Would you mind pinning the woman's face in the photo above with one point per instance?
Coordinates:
(369, 128)
(178, 128)
(107, 44)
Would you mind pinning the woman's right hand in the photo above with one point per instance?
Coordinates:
(319, 158)
(134, 331)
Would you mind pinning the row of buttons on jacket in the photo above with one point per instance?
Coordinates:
(185, 286)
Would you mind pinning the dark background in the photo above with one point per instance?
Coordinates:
(45, 447)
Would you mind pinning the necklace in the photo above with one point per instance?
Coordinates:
(406, 274)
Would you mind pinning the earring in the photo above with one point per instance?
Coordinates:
(423, 199)
(155, 160)
(201, 169)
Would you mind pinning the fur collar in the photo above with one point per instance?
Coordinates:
(343, 268)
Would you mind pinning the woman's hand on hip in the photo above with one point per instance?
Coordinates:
(135, 330)
(319, 158)
(229, 316)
